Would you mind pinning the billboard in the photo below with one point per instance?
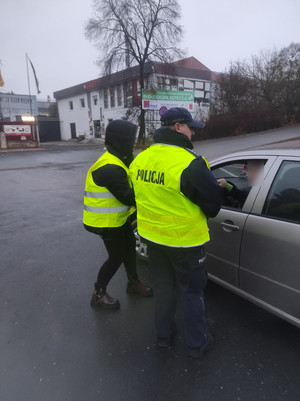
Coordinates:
(17, 131)
(160, 99)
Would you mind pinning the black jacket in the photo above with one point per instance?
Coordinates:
(197, 182)
(119, 141)
(239, 195)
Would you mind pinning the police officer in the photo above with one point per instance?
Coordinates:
(175, 194)
(107, 208)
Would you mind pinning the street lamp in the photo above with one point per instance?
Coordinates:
(32, 119)
(28, 118)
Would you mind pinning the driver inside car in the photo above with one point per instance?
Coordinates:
(254, 175)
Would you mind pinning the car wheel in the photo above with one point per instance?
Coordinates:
(140, 246)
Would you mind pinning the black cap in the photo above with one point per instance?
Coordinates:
(180, 115)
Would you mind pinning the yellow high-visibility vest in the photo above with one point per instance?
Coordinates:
(164, 214)
(101, 207)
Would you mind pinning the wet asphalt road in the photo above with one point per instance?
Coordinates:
(53, 346)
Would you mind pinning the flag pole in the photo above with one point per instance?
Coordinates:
(28, 81)
(1, 84)
(37, 136)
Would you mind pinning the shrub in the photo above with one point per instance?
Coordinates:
(229, 125)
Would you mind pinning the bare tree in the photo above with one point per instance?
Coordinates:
(233, 90)
(289, 69)
(134, 32)
(269, 83)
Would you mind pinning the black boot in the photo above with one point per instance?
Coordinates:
(100, 298)
(136, 287)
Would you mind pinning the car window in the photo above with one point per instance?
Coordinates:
(283, 200)
(237, 176)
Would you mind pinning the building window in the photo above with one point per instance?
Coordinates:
(138, 90)
(160, 82)
(106, 98)
(199, 85)
(199, 94)
(112, 97)
(70, 105)
(188, 85)
(127, 89)
(95, 100)
(120, 95)
(82, 103)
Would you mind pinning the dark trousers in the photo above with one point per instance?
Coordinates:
(179, 271)
(120, 245)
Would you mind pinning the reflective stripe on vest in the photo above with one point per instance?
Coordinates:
(98, 195)
(101, 207)
(95, 209)
(164, 214)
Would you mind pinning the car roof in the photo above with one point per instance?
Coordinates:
(261, 153)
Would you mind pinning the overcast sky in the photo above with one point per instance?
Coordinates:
(51, 32)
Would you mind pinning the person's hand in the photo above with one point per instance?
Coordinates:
(222, 182)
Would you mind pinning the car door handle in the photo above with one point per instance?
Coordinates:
(228, 226)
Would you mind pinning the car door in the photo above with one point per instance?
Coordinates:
(270, 247)
(226, 229)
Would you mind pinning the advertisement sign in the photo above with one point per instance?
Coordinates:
(160, 99)
(17, 129)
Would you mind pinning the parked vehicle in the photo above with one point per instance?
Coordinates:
(140, 246)
(255, 245)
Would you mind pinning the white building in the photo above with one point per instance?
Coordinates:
(87, 108)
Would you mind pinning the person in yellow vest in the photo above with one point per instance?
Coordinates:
(175, 193)
(108, 201)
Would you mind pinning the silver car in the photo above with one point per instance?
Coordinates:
(255, 239)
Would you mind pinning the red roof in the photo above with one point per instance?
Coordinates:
(214, 77)
(191, 62)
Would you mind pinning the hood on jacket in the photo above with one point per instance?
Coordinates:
(120, 138)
